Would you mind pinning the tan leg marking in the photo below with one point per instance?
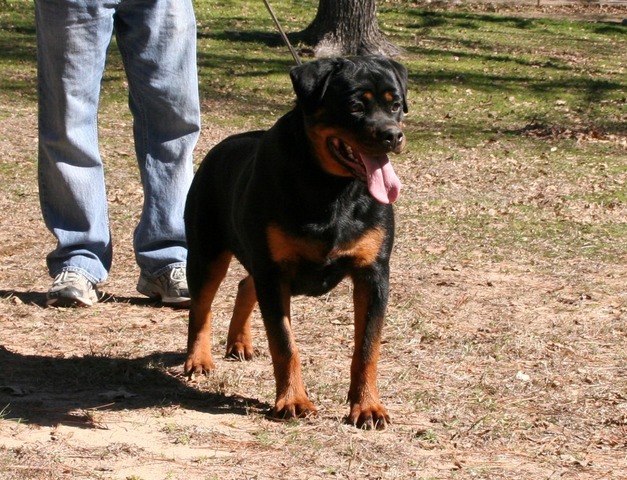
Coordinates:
(199, 358)
(239, 341)
(366, 410)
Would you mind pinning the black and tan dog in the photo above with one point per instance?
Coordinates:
(302, 206)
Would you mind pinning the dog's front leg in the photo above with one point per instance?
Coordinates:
(291, 397)
(203, 291)
(370, 296)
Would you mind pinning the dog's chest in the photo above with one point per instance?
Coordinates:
(291, 250)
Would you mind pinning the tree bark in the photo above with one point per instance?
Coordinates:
(347, 27)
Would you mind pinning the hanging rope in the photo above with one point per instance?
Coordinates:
(283, 35)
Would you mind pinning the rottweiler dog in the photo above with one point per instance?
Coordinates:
(302, 206)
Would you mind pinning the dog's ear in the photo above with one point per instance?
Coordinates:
(401, 75)
(310, 82)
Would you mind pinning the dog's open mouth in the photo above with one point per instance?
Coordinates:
(375, 170)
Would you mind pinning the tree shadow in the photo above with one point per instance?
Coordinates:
(430, 18)
(592, 90)
(426, 19)
(48, 391)
(270, 39)
(19, 46)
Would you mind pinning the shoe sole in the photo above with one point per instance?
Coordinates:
(64, 302)
(168, 301)
(172, 303)
(177, 303)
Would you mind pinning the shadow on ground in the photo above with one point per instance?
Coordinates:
(39, 299)
(48, 391)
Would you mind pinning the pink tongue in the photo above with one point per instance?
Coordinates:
(383, 183)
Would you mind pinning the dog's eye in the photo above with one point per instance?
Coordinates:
(357, 108)
(396, 106)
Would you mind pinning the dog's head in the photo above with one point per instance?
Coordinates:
(353, 111)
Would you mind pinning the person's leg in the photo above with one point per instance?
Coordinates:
(72, 39)
(157, 40)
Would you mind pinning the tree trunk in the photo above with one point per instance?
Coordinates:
(347, 27)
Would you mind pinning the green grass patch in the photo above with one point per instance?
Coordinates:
(515, 124)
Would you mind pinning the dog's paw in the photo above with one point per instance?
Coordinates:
(300, 407)
(199, 364)
(368, 416)
(240, 351)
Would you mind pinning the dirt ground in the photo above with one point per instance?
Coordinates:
(515, 369)
(489, 370)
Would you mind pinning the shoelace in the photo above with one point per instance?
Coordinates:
(67, 276)
(177, 275)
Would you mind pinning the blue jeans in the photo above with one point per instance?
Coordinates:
(157, 41)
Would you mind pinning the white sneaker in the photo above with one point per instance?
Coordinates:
(170, 288)
(71, 289)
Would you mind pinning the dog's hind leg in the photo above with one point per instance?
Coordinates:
(199, 358)
(239, 343)
(291, 397)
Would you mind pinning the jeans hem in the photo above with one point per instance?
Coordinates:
(165, 269)
(80, 271)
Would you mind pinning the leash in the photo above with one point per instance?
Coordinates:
(283, 35)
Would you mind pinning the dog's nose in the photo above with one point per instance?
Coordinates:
(392, 138)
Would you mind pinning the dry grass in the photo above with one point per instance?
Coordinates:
(504, 353)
